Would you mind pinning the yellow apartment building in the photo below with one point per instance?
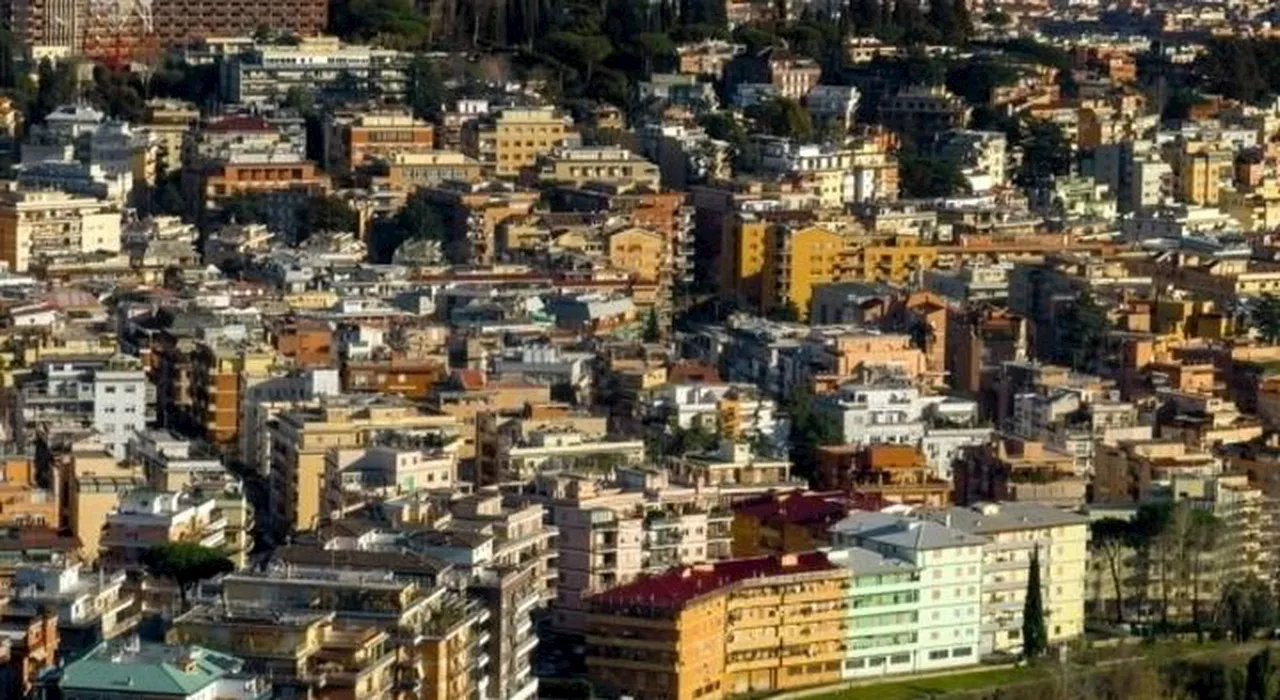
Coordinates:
(516, 137)
(741, 265)
(713, 631)
(220, 374)
(1200, 168)
(641, 252)
(798, 260)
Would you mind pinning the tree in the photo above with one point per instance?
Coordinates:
(783, 117)
(654, 46)
(1082, 328)
(425, 91)
(1035, 636)
(419, 219)
(1264, 312)
(245, 208)
(1046, 154)
(1262, 682)
(326, 213)
(186, 564)
(926, 176)
(300, 99)
(396, 23)
(1111, 540)
(810, 429)
(652, 329)
(1202, 541)
(1245, 607)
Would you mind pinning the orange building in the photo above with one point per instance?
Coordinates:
(219, 375)
(22, 501)
(711, 631)
(414, 379)
(356, 140)
(285, 185)
(894, 474)
(308, 343)
(782, 523)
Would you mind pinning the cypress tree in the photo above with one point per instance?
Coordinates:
(1035, 636)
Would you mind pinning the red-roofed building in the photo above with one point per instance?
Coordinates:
(794, 521)
(703, 627)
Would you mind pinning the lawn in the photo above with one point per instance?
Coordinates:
(921, 689)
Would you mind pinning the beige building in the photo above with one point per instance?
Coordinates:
(1014, 531)
(516, 137)
(148, 518)
(576, 167)
(47, 223)
(94, 482)
(409, 171)
(301, 440)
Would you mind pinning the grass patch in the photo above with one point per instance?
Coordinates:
(919, 689)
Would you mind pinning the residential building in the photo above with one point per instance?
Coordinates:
(322, 66)
(407, 171)
(40, 224)
(148, 518)
(924, 111)
(356, 140)
(578, 166)
(181, 22)
(300, 441)
(92, 608)
(915, 602)
(1014, 532)
(760, 625)
(515, 138)
(151, 671)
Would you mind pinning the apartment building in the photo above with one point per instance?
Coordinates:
(717, 630)
(323, 66)
(356, 140)
(182, 22)
(440, 636)
(220, 374)
(62, 397)
(151, 670)
(39, 224)
(92, 607)
(148, 518)
(93, 482)
(407, 171)
(22, 501)
(300, 441)
(916, 594)
(302, 652)
(1200, 169)
(924, 111)
(1013, 532)
(883, 473)
(610, 536)
(797, 260)
(514, 138)
(578, 166)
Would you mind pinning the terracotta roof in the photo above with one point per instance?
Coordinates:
(470, 379)
(677, 587)
(240, 124)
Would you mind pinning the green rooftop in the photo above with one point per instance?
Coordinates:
(148, 669)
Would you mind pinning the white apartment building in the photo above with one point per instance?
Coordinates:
(1013, 531)
(147, 518)
(265, 74)
(690, 405)
(922, 614)
(91, 607)
(897, 413)
(64, 397)
(981, 156)
(37, 224)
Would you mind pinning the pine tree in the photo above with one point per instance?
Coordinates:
(1035, 637)
(652, 331)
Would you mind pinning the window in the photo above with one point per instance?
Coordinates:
(938, 654)
(961, 651)
(900, 659)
